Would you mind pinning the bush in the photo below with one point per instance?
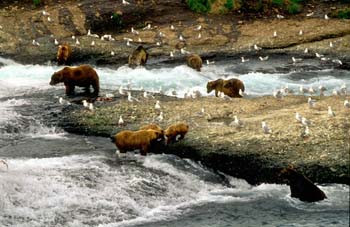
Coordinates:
(36, 2)
(344, 14)
(229, 4)
(199, 6)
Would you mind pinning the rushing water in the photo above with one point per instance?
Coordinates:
(59, 179)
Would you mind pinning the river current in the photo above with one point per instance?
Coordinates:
(60, 179)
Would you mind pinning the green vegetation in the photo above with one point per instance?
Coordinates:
(229, 4)
(291, 6)
(117, 20)
(36, 2)
(199, 6)
(344, 14)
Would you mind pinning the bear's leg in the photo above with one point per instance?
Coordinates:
(69, 89)
(144, 150)
(96, 89)
(87, 89)
(182, 136)
(216, 93)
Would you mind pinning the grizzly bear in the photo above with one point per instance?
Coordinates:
(154, 127)
(63, 54)
(131, 140)
(229, 87)
(138, 57)
(301, 187)
(81, 76)
(194, 61)
(174, 130)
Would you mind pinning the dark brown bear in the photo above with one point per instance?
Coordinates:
(63, 54)
(81, 76)
(131, 140)
(138, 57)
(229, 87)
(301, 187)
(195, 61)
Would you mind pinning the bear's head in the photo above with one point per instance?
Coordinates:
(56, 78)
(211, 86)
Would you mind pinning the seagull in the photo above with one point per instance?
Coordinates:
(77, 42)
(49, 19)
(183, 51)
(337, 61)
(181, 38)
(73, 37)
(128, 43)
(322, 88)
(199, 36)
(306, 50)
(346, 104)
(85, 104)
(330, 112)
(120, 121)
(91, 106)
(280, 16)
(145, 95)
(121, 91)
(303, 90)
(244, 60)
(301, 32)
(210, 62)
(147, 27)
(306, 132)
(336, 92)
(45, 13)
(331, 44)
(171, 54)
(311, 90)
(295, 60)
(56, 42)
(343, 90)
(264, 58)
(274, 34)
(305, 121)
(265, 128)
(298, 116)
(278, 94)
(133, 31)
(131, 99)
(310, 14)
(172, 27)
(139, 40)
(125, 2)
(319, 55)
(198, 28)
(158, 43)
(326, 17)
(325, 59)
(256, 47)
(157, 106)
(35, 43)
(109, 95)
(112, 53)
(287, 90)
(161, 34)
(311, 102)
(236, 122)
(160, 117)
(3, 162)
(60, 100)
(92, 43)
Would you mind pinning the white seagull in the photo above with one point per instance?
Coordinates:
(181, 38)
(121, 90)
(172, 27)
(199, 36)
(305, 121)
(91, 106)
(298, 117)
(210, 62)
(301, 32)
(264, 58)
(56, 42)
(60, 100)
(85, 104)
(244, 60)
(311, 102)
(77, 42)
(73, 37)
(265, 128)
(274, 34)
(331, 44)
(92, 43)
(346, 104)
(160, 117)
(343, 90)
(112, 53)
(310, 14)
(278, 94)
(120, 121)
(125, 2)
(337, 61)
(330, 112)
(131, 99)
(306, 50)
(236, 122)
(326, 17)
(157, 106)
(280, 16)
(133, 31)
(296, 60)
(147, 27)
(256, 47)
(171, 54)
(319, 55)
(35, 43)
(198, 28)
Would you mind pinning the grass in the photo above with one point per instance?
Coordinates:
(229, 4)
(36, 2)
(344, 14)
(200, 6)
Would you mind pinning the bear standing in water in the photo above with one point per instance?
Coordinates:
(228, 87)
(194, 61)
(63, 54)
(81, 76)
(138, 57)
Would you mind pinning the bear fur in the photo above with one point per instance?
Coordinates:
(131, 140)
(195, 61)
(174, 130)
(63, 54)
(229, 87)
(154, 127)
(301, 187)
(138, 57)
(81, 76)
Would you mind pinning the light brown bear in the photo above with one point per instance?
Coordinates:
(131, 140)
(63, 54)
(81, 76)
(229, 87)
(174, 130)
(152, 126)
(195, 61)
(301, 187)
(138, 57)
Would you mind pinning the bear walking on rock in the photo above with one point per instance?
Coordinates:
(63, 54)
(81, 76)
(229, 87)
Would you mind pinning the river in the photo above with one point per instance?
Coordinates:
(60, 179)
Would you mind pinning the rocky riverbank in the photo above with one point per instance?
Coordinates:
(244, 152)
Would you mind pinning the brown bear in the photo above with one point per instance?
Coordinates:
(63, 54)
(81, 76)
(174, 130)
(229, 87)
(152, 126)
(138, 57)
(195, 61)
(131, 140)
(301, 187)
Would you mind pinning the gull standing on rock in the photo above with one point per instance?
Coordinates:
(77, 42)
(91, 106)
(92, 43)
(305, 133)
(172, 27)
(160, 117)
(336, 92)
(60, 100)
(210, 62)
(306, 50)
(121, 121)
(121, 90)
(131, 99)
(326, 17)
(278, 94)
(311, 102)
(310, 14)
(236, 122)
(35, 43)
(303, 90)
(133, 31)
(198, 28)
(5, 163)
(157, 106)
(274, 34)
(298, 117)
(256, 47)
(311, 91)
(279, 16)
(305, 121)
(330, 112)
(264, 58)
(301, 32)
(330, 44)
(343, 90)
(319, 55)
(56, 42)
(322, 90)
(244, 60)
(125, 2)
(85, 104)
(171, 54)
(265, 128)
(296, 60)
(346, 104)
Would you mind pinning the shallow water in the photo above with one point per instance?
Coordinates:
(60, 179)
